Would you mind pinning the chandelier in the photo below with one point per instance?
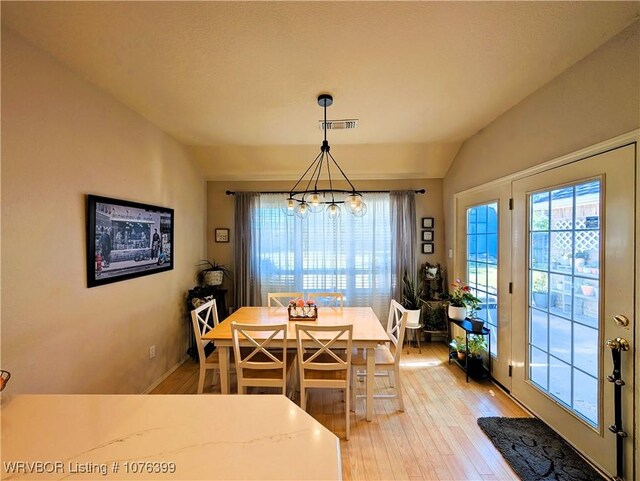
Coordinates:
(313, 199)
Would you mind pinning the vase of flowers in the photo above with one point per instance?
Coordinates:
(302, 310)
(462, 303)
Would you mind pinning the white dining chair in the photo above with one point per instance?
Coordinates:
(204, 318)
(387, 356)
(321, 364)
(274, 299)
(257, 364)
(327, 299)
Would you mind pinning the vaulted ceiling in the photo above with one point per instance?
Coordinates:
(237, 81)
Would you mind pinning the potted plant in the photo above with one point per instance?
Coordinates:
(539, 289)
(460, 300)
(212, 273)
(412, 300)
(477, 345)
(588, 289)
(460, 347)
(580, 259)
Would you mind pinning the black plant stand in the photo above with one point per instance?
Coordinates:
(467, 327)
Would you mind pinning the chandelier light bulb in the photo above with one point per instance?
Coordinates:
(316, 202)
(351, 200)
(333, 211)
(360, 210)
(288, 207)
(302, 210)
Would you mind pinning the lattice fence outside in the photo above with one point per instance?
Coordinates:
(586, 240)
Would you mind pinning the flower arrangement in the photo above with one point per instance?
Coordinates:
(299, 308)
(461, 297)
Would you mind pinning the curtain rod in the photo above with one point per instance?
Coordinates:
(421, 191)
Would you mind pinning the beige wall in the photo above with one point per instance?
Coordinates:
(63, 138)
(220, 211)
(595, 100)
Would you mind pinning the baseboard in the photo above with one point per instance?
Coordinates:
(166, 375)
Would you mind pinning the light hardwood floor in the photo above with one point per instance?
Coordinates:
(436, 438)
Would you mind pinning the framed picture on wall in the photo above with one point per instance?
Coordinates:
(427, 223)
(127, 239)
(427, 236)
(222, 235)
(427, 247)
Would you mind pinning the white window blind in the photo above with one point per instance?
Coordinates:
(349, 255)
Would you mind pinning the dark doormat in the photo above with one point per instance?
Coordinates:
(535, 452)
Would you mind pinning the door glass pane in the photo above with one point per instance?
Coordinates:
(564, 295)
(539, 331)
(539, 367)
(482, 264)
(560, 380)
(560, 338)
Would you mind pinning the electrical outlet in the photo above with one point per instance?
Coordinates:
(152, 352)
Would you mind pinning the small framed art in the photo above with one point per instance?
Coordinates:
(427, 236)
(222, 235)
(427, 223)
(427, 247)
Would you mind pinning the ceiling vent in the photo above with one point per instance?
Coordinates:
(338, 124)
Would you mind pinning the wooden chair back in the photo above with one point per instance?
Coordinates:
(396, 327)
(274, 299)
(259, 364)
(204, 318)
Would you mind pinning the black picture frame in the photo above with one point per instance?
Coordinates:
(221, 235)
(127, 239)
(427, 236)
(428, 248)
(428, 223)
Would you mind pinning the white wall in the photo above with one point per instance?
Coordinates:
(63, 138)
(595, 100)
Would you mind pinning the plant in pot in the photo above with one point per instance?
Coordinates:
(459, 346)
(477, 346)
(539, 290)
(212, 273)
(588, 288)
(580, 259)
(462, 303)
(412, 300)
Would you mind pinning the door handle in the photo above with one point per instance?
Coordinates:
(621, 320)
(618, 343)
(617, 346)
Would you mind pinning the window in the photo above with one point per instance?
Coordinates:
(564, 295)
(482, 263)
(349, 255)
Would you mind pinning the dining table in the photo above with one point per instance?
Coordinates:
(368, 333)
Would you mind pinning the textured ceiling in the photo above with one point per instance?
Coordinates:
(226, 77)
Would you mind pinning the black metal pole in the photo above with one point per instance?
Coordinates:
(419, 191)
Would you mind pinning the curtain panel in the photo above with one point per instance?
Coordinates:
(404, 235)
(363, 258)
(247, 250)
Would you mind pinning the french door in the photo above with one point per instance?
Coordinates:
(573, 272)
(483, 261)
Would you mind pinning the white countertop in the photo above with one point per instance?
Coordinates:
(205, 437)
